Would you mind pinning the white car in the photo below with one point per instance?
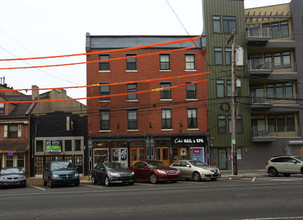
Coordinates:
(285, 165)
(196, 170)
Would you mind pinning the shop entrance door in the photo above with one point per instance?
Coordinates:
(222, 159)
(120, 155)
(162, 154)
(136, 155)
(100, 155)
(179, 153)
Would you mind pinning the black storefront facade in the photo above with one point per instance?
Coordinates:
(129, 149)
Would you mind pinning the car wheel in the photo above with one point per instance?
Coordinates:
(286, 174)
(153, 178)
(77, 184)
(44, 183)
(106, 181)
(93, 180)
(272, 172)
(213, 179)
(196, 176)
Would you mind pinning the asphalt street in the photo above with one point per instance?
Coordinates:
(245, 198)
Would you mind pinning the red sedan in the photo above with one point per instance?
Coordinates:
(155, 171)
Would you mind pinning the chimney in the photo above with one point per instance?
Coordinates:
(35, 93)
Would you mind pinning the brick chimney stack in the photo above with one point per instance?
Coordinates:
(35, 93)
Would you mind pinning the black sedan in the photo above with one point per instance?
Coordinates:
(112, 172)
(12, 176)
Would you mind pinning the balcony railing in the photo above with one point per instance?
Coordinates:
(257, 33)
(263, 132)
(258, 67)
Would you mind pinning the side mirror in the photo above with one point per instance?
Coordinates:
(189, 166)
(145, 167)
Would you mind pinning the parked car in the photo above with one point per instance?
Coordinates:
(285, 165)
(196, 170)
(60, 172)
(111, 173)
(155, 171)
(12, 176)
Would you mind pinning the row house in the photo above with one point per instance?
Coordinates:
(132, 125)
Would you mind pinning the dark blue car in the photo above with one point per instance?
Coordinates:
(60, 172)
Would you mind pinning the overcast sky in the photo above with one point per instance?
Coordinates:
(31, 28)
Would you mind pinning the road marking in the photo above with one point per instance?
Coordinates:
(144, 184)
(253, 180)
(37, 187)
(275, 218)
(98, 187)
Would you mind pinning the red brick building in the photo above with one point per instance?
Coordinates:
(164, 125)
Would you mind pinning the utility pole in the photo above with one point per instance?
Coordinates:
(233, 108)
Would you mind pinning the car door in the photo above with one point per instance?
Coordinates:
(178, 165)
(102, 173)
(46, 171)
(291, 165)
(187, 169)
(139, 171)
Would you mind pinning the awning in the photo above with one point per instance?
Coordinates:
(15, 147)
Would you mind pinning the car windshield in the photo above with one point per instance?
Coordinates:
(62, 165)
(115, 166)
(197, 163)
(157, 164)
(299, 158)
(11, 171)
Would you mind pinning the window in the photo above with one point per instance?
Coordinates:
(284, 29)
(104, 119)
(2, 108)
(281, 123)
(288, 90)
(104, 66)
(228, 56)
(229, 24)
(270, 91)
(166, 119)
(191, 91)
(12, 131)
(132, 119)
(286, 60)
(104, 90)
(132, 88)
(39, 146)
(277, 61)
(218, 56)
(220, 88)
(164, 62)
(68, 145)
(192, 121)
(254, 30)
(268, 60)
(275, 32)
(131, 63)
(238, 124)
(266, 30)
(279, 91)
(9, 161)
(217, 24)
(272, 123)
(290, 121)
(229, 89)
(20, 160)
(190, 62)
(221, 124)
(165, 93)
(77, 145)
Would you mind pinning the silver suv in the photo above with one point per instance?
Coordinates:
(285, 165)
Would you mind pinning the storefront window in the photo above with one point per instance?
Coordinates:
(39, 146)
(68, 145)
(77, 145)
(9, 161)
(175, 154)
(20, 161)
(165, 154)
(141, 154)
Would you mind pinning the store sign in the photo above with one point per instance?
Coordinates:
(53, 146)
(10, 153)
(189, 141)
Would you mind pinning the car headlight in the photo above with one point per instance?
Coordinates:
(161, 171)
(55, 176)
(114, 174)
(76, 174)
(132, 173)
(178, 171)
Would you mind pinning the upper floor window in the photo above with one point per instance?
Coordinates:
(12, 131)
(166, 119)
(2, 108)
(238, 124)
(191, 91)
(275, 30)
(131, 63)
(104, 66)
(192, 121)
(218, 56)
(190, 62)
(165, 93)
(132, 119)
(228, 56)
(217, 24)
(221, 124)
(104, 119)
(77, 145)
(104, 90)
(229, 24)
(284, 29)
(220, 88)
(39, 146)
(130, 89)
(164, 62)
